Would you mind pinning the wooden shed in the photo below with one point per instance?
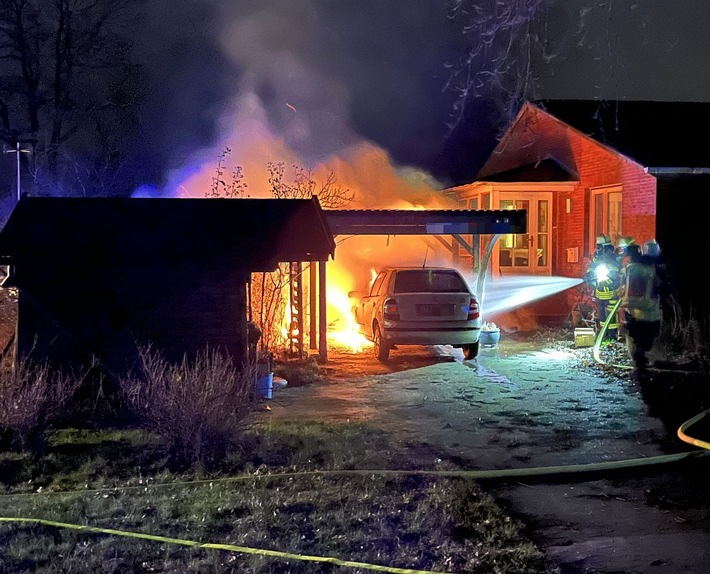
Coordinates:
(98, 276)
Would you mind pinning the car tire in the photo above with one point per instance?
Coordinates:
(382, 349)
(470, 351)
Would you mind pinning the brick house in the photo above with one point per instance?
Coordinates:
(581, 168)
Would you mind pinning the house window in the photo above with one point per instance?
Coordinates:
(606, 213)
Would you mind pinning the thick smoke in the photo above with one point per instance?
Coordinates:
(326, 76)
(305, 83)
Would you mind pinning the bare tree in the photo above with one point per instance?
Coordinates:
(64, 72)
(502, 44)
(269, 291)
(304, 186)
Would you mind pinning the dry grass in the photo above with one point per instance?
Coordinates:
(425, 523)
(299, 372)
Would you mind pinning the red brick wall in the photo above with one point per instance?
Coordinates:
(535, 136)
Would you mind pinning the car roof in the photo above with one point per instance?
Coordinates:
(416, 268)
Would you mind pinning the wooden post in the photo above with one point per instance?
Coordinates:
(313, 303)
(322, 319)
(296, 302)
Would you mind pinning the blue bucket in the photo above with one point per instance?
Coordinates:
(265, 386)
(489, 338)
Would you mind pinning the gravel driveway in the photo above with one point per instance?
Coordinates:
(534, 403)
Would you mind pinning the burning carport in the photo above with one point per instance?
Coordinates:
(97, 276)
(454, 230)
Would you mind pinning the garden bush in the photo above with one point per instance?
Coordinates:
(33, 398)
(200, 407)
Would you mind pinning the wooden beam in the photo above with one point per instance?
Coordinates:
(322, 319)
(425, 222)
(449, 246)
(464, 244)
(312, 304)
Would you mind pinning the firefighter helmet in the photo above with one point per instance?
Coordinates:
(651, 248)
(603, 240)
(625, 242)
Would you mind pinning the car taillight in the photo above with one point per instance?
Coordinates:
(474, 311)
(390, 310)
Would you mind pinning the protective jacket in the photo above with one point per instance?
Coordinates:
(641, 296)
(604, 274)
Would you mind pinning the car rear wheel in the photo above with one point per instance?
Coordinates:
(470, 351)
(382, 349)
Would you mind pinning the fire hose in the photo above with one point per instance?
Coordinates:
(682, 435)
(468, 474)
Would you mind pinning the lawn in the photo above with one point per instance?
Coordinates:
(274, 493)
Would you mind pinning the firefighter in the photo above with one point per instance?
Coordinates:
(624, 246)
(604, 277)
(622, 249)
(641, 302)
(590, 277)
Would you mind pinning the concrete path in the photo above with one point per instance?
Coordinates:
(523, 405)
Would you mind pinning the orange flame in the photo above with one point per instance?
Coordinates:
(340, 313)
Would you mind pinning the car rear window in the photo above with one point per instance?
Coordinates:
(429, 281)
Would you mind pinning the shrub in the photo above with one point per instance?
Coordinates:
(199, 407)
(32, 399)
(299, 372)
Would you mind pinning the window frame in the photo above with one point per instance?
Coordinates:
(609, 222)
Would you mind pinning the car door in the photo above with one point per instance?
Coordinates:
(368, 304)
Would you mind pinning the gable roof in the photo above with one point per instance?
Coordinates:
(548, 169)
(254, 233)
(654, 134)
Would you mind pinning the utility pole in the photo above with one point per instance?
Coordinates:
(17, 151)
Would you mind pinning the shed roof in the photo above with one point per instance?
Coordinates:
(653, 133)
(255, 233)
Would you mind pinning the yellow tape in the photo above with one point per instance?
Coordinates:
(228, 547)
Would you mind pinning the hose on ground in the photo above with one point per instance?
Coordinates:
(682, 435)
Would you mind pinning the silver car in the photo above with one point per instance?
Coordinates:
(419, 306)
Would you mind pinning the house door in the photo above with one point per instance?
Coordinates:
(528, 253)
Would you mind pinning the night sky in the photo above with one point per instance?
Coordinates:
(355, 83)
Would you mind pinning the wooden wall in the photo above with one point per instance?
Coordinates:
(71, 310)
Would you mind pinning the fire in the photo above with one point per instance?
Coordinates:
(340, 313)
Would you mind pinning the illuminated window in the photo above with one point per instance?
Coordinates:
(605, 213)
